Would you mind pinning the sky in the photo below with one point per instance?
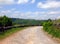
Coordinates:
(30, 9)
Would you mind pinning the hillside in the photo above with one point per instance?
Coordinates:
(27, 21)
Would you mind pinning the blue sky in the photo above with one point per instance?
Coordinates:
(30, 9)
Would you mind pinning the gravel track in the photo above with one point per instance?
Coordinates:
(30, 35)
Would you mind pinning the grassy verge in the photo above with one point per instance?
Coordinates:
(9, 32)
(52, 29)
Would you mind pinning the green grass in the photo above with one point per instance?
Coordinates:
(9, 32)
(53, 30)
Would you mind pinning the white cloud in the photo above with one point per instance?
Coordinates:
(33, 1)
(54, 12)
(52, 0)
(22, 1)
(25, 1)
(5, 12)
(58, 17)
(49, 4)
(6, 2)
(3, 2)
(30, 15)
(52, 7)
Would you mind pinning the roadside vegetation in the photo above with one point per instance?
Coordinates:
(9, 26)
(52, 27)
(4, 22)
(10, 32)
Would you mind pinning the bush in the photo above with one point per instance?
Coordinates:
(51, 29)
(4, 22)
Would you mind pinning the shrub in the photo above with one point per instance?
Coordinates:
(4, 22)
(51, 29)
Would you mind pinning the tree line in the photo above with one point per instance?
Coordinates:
(5, 22)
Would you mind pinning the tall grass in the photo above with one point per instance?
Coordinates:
(51, 29)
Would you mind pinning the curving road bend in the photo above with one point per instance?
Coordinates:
(31, 35)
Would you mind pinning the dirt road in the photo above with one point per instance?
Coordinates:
(31, 35)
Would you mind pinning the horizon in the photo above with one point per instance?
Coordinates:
(30, 9)
(29, 19)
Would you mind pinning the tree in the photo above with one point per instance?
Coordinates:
(49, 20)
(6, 21)
(0, 21)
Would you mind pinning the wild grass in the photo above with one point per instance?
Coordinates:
(51, 29)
